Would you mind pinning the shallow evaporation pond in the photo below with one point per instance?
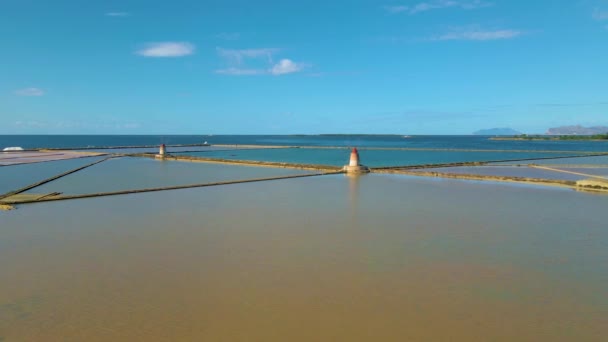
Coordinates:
(170, 149)
(593, 160)
(372, 158)
(30, 157)
(130, 173)
(506, 171)
(593, 171)
(377, 257)
(14, 177)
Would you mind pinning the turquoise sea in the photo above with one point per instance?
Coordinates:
(375, 150)
(425, 141)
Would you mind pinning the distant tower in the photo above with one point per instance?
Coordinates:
(354, 158)
(353, 165)
(162, 151)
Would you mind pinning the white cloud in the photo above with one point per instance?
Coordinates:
(117, 14)
(167, 49)
(600, 15)
(30, 92)
(438, 4)
(479, 34)
(259, 61)
(286, 66)
(236, 56)
(240, 72)
(283, 67)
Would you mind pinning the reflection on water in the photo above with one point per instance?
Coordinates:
(373, 258)
(354, 180)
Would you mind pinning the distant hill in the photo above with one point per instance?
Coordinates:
(497, 131)
(577, 130)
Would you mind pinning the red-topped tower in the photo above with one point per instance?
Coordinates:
(162, 151)
(353, 165)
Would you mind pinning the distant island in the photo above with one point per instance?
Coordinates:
(577, 130)
(595, 137)
(497, 131)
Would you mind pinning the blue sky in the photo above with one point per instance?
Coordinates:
(286, 67)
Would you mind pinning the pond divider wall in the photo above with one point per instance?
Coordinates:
(480, 163)
(312, 167)
(37, 184)
(176, 187)
(466, 176)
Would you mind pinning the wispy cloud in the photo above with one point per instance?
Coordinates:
(167, 49)
(262, 58)
(30, 92)
(117, 14)
(477, 34)
(237, 56)
(599, 14)
(437, 4)
(286, 66)
(283, 67)
(440, 4)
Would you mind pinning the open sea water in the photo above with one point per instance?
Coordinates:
(376, 150)
(423, 141)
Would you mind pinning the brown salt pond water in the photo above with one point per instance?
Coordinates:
(330, 258)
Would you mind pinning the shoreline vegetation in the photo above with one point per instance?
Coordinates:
(526, 137)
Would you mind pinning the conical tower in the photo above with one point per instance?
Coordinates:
(353, 165)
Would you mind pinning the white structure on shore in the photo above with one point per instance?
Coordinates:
(354, 166)
(162, 151)
(15, 148)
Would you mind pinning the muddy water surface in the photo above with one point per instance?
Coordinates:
(331, 258)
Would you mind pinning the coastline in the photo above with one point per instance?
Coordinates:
(543, 139)
(428, 149)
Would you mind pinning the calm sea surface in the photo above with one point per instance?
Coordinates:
(465, 142)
